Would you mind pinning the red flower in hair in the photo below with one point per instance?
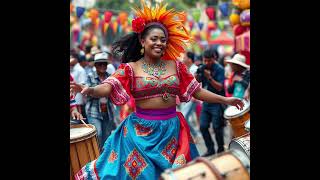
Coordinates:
(138, 24)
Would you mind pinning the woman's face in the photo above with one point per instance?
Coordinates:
(154, 43)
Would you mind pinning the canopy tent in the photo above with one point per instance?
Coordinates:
(222, 39)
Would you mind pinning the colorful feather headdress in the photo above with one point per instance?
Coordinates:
(177, 35)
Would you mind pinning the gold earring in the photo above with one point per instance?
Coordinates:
(142, 51)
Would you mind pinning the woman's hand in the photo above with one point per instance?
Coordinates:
(235, 102)
(79, 88)
(76, 115)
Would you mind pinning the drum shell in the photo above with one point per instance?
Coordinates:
(241, 143)
(83, 150)
(237, 123)
(227, 165)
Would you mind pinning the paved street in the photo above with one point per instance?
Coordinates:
(202, 147)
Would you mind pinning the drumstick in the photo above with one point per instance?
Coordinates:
(84, 123)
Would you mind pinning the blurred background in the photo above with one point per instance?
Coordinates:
(224, 24)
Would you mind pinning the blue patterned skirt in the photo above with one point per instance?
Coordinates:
(145, 144)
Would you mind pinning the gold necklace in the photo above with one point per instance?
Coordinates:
(155, 70)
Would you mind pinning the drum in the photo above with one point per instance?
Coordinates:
(230, 165)
(237, 118)
(83, 146)
(247, 126)
(241, 143)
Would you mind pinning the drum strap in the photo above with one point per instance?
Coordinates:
(210, 166)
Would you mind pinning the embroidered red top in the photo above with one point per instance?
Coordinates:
(124, 84)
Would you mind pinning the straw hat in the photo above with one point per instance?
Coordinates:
(239, 60)
(101, 57)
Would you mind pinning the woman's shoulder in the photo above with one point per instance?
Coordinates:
(133, 64)
(173, 63)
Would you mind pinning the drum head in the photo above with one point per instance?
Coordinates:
(233, 112)
(247, 125)
(80, 131)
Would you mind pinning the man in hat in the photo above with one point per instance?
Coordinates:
(100, 110)
(240, 77)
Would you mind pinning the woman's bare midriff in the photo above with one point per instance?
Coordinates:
(156, 103)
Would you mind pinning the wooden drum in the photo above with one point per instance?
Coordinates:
(238, 118)
(231, 165)
(83, 146)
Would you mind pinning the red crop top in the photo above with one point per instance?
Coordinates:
(124, 84)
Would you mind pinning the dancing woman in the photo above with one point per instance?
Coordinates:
(155, 137)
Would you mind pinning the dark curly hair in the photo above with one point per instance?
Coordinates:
(128, 47)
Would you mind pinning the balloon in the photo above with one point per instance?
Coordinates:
(107, 16)
(210, 13)
(245, 17)
(224, 8)
(80, 11)
(123, 17)
(238, 30)
(234, 19)
(196, 14)
(200, 24)
(94, 14)
(244, 4)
